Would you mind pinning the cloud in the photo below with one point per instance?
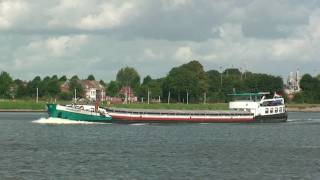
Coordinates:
(58, 46)
(110, 16)
(11, 11)
(100, 37)
(183, 54)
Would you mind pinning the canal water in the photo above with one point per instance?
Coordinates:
(32, 147)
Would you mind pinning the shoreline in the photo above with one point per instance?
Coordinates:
(289, 109)
(21, 110)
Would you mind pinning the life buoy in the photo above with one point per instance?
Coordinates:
(81, 107)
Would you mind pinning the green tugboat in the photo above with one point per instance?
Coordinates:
(79, 113)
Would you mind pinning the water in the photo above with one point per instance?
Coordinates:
(31, 148)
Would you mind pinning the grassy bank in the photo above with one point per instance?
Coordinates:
(32, 105)
(21, 105)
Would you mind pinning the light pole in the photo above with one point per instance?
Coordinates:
(220, 77)
(37, 95)
(187, 97)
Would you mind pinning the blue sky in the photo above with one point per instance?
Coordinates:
(67, 37)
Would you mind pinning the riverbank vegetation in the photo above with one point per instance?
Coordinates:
(188, 83)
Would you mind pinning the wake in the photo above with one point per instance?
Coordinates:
(52, 120)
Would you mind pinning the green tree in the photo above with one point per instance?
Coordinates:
(186, 79)
(310, 89)
(154, 86)
(21, 88)
(128, 76)
(91, 78)
(63, 78)
(75, 84)
(33, 85)
(53, 87)
(113, 89)
(103, 83)
(5, 83)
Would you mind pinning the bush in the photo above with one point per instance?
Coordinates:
(66, 96)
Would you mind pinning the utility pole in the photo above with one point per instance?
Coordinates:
(204, 98)
(221, 78)
(148, 97)
(169, 98)
(37, 95)
(187, 97)
(75, 95)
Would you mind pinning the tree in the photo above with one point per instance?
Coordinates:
(5, 82)
(75, 84)
(103, 83)
(154, 86)
(91, 78)
(63, 78)
(21, 88)
(33, 85)
(128, 76)
(113, 89)
(188, 79)
(146, 80)
(310, 89)
(75, 77)
(53, 88)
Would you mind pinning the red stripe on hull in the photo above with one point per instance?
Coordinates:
(175, 119)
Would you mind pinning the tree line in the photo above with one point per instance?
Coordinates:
(190, 82)
(186, 82)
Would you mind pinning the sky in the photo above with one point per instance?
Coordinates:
(82, 37)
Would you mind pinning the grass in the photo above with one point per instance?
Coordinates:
(302, 106)
(24, 104)
(21, 104)
(32, 105)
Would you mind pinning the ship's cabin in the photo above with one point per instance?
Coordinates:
(258, 103)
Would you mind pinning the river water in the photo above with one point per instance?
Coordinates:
(32, 147)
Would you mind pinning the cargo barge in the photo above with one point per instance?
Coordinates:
(256, 108)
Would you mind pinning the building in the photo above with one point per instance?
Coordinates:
(93, 90)
(128, 94)
(293, 84)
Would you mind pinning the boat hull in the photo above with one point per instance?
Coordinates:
(127, 116)
(69, 113)
(272, 118)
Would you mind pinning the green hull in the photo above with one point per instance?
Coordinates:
(77, 116)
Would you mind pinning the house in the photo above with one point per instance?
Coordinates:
(93, 90)
(128, 93)
(64, 87)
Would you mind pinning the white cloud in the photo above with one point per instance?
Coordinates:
(175, 4)
(58, 46)
(110, 16)
(183, 54)
(11, 11)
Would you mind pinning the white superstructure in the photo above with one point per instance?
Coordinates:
(259, 107)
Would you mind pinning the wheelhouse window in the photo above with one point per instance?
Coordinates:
(280, 109)
(271, 110)
(276, 110)
(266, 111)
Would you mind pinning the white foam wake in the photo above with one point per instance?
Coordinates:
(138, 124)
(52, 120)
